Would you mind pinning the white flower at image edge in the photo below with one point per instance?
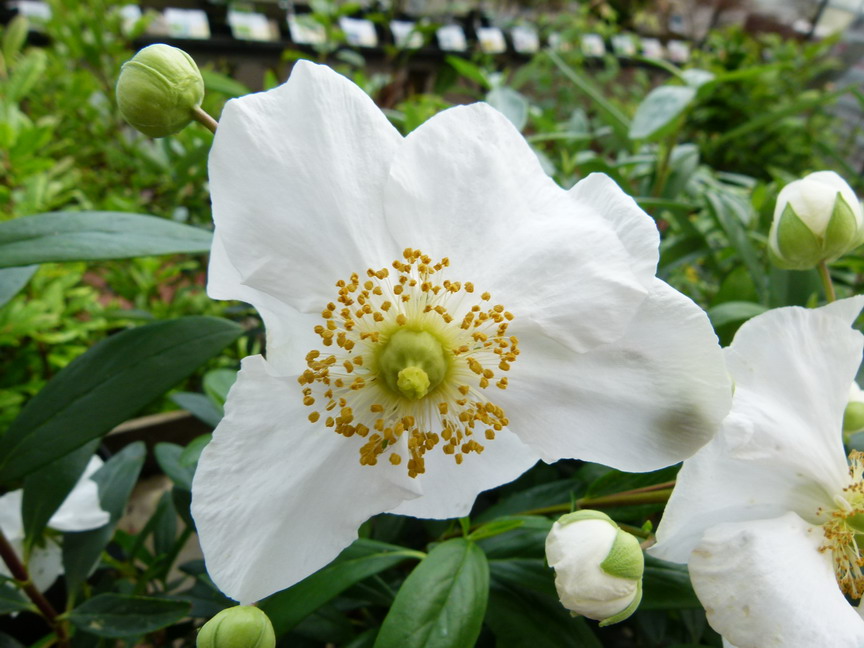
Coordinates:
(769, 515)
(440, 315)
(80, 511)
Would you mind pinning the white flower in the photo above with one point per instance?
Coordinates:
(768, 513)
(817, 218)
(535, 327)
(80, 511)
(598, 567)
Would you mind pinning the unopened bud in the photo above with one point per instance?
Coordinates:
(598, 567)
(853, 416)
(243, 626)
(817, 218)
(158, 90)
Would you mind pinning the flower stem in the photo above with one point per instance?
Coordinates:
(20, 574)
(825, 276)
(203, 118)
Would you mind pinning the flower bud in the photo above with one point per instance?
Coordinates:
(817, 218)
(244, 626)
(158, 90)
(598, 567)
(853, 416)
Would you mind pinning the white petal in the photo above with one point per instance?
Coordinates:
(792, 369)
(465, 185)
(846, 309)
(81, 511)
(780, 448)
(276, 497)
(10, 514)
(646, 401)
(46, 564)
(765, 584)
(296, 176)
(636, 229)
(454, 488)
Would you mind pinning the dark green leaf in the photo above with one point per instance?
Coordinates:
(165, 525)
(12, 280)
(105, 386)
(666, 586)
(734, 311)
(362, 559)
(442, 602)
(9, 642)
(46, 488)
(496, 527)
(656, 115)
(87, 236)
(217, 383)
(215, 82)
(199, 406)
(11, 600)
(119, 615)
(168, 457)
(115, 481)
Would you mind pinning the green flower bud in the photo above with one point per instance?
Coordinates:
(158, 90)
(853, 416)
(243, 626)
(598, 567)
(817, 218)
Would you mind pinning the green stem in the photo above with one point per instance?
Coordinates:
(825, 276)
(19, 572)
(202, 117)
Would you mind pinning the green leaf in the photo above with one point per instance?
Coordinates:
(217, 383)
(199, 406)
(512, 104)
(362, 559)
(611, 114)
(115, 481)
(666, 586)
(192, 452)
(442, 602)
(168, 457)
(105, 386)
(93, 235)
(496, 527)
(15, 37)
(24, 76)
(46, 488)
(12, 280)
(656, 115)
(468, 70)
(11, 600)
(215, 82)
(118, 615)
(734, 311)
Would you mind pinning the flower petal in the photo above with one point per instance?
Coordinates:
(465, 185)
(275, 496)
(46, 564)
(636, 229)
(646, 401)
(10, 514)
(450, 489)
(297, 175)
(765, 584)
(81, 510)
(780, 448)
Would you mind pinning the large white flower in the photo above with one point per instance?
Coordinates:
(440, 314)
(769, 514)
(80, 511)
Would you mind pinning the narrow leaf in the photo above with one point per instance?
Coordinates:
(105, 386)
(12, 280)
(657, 113)
(87, 236)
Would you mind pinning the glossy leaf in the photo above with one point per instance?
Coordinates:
(88, 236)
(362, 559)
(118, 615)
(12, 280)
(115, 481)
(105, 386)
(442, 602)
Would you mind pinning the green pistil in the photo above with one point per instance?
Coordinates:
(412, 363)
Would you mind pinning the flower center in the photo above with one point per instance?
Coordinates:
(415, 356)
(844, 530)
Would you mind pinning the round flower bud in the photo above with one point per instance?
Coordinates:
(244, 626)
(598, 567)
(853, 416)
(158, 90)
(817, 218)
